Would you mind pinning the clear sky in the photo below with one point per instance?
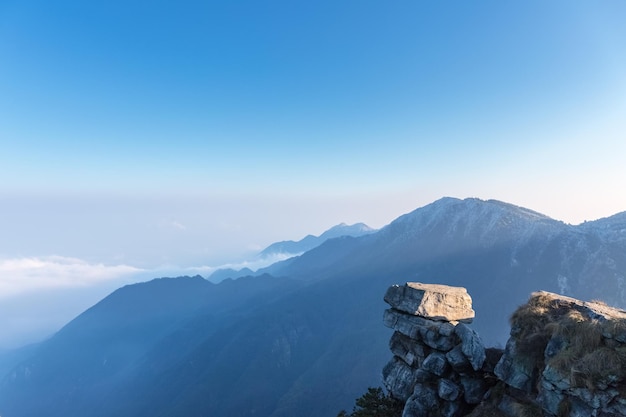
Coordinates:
(147, 135)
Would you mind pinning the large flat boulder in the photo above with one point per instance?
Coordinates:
(432, 301)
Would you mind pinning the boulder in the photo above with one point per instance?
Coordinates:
(471, 345)
(436, 364)
(555, 378)
(406, 349)
(457, 359)
(399, 379)
(423, 376)
(423, 402)
(434, 334)
(410, 326)
(448, 390)
(433, 301)
(513, 370)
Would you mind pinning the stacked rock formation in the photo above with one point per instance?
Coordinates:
(565, 357)
(439, 366)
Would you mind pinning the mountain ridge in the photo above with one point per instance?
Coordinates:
(321, 320)
(287, 249)
(311, 241)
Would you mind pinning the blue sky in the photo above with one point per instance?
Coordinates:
(141, 134)
(232, 96)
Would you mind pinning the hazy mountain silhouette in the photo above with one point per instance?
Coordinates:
(289, 248)
(226, 273)
(309, 343)
(309, 242)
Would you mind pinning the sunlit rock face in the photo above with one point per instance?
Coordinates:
(432, 301)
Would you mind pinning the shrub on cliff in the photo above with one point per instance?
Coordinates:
(375, 403)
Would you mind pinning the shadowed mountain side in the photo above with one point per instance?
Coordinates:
(11, 357)
(273, 363)
(498, 251)
(101, 348)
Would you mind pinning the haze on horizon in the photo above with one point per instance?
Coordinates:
(140, 138)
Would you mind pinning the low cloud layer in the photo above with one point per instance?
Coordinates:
(38, 295)
(19, 275)
(254, 264)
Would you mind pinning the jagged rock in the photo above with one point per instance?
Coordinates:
(406, 349)
(422, 375)
(555, 378)
(423, 402)
(411, 326)
(474, 389)
(471, 345)
(434, 301)
(595, 399)
(550, 400)
(437, 340)
(514, 371)
(436, 364)
(457, 359)
(435, 334)
(399, 379)
(448, 390)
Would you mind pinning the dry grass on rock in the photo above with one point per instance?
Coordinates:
(587, 352)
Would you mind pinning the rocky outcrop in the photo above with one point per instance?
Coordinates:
(565, 357)
(439, 365)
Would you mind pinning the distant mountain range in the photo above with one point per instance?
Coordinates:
(309, 242)
(290, 248)
(306, 337)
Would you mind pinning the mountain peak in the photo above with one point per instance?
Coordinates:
(472, 218)
(309, 242)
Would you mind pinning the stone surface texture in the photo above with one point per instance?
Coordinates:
(432, 301)
(438, 359)
(565, 357)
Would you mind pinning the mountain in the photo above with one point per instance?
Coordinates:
(309, 242)
(308, 339)
(221, 274)
(289, 248)
(98, 351)
(498, 251)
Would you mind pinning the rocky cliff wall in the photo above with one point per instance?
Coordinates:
(564, 358)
